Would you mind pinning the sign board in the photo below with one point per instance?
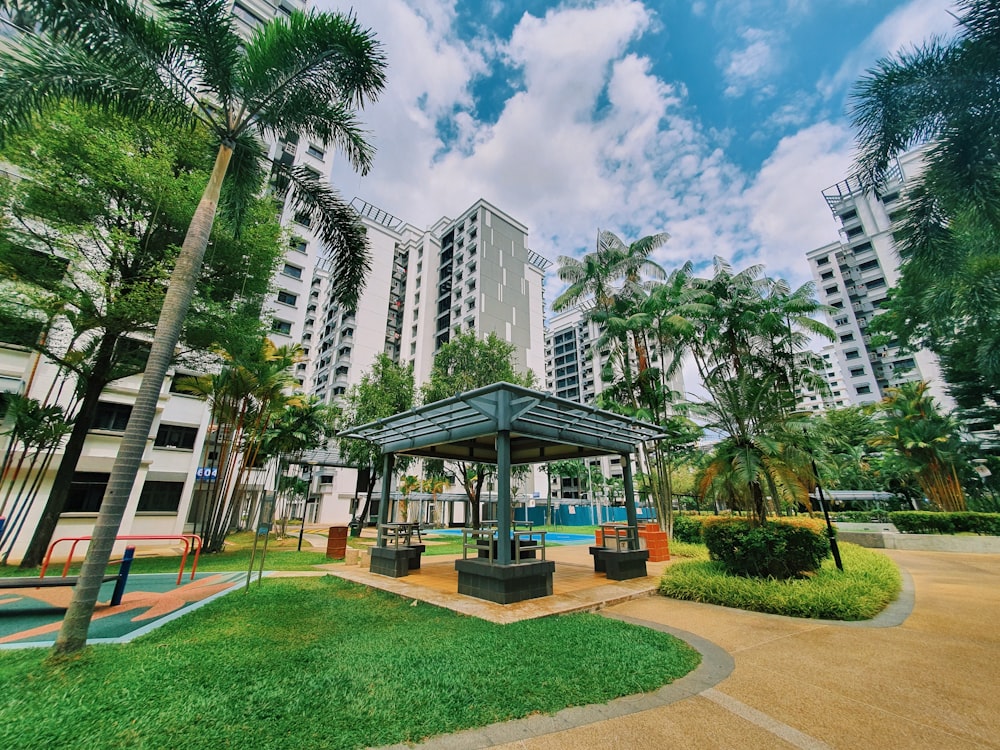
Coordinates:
(266, 517)
(207, 473)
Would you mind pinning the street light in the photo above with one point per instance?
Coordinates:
(305, 504)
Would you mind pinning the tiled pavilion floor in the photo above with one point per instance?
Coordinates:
(575, 586)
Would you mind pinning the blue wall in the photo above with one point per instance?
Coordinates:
(584, 515)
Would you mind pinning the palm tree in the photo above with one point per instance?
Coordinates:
(745, 332)
(184, 61)
(926, 441)
(946, 94)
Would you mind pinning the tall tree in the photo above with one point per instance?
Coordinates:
(246, 397)
(184, 61)
(464, 364)
(747, 337)
(946, 93)
(94, 219)
(926, 440)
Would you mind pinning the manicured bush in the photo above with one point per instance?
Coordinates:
(930, 522)
(687, 529)
(772, 550)
(868, 583)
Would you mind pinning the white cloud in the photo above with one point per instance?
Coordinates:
(906, 27)
(750, 66)
(789, 215)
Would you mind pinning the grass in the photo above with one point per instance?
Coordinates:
(320, 662)
(870, 581)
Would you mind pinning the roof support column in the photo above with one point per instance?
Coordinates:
(388, 466)
(633, 521)
(503, 478)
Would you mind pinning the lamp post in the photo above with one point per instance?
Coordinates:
(826, 514)
(305, 503)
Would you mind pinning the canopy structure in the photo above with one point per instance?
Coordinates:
(505, 424)
(540, 428)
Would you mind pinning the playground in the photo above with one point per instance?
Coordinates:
(32, 616)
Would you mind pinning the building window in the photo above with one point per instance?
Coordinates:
(298, 244)
(857, 372)
(823, 261)
(281, 326)
(86, 491)
(848, 215)
(315, 151)
(113, 417)
(852, 354)
(863, 389)
(855, 232)
(294, 271)
(287, 298)
(831, 290)
(847, 337)
(160, 497)
(875, 284)
(868, 265)
(827, 275)
(176, 436)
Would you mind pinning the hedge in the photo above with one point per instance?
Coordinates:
(769, 550)
(930, 522)
(689, 528)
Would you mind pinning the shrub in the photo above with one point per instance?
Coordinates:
(867, 584)
(773, 550)
(687, 529)
(930, 522)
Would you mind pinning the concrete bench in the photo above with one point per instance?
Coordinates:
(620, 565)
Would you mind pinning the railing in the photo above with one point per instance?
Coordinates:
(619, 537)
(189, 541)
(486, 541)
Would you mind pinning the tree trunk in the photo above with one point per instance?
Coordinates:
(59, 492)
(73, 633)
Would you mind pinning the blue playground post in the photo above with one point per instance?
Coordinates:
(126, 565)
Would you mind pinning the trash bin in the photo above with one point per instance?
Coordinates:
(336, 543)
(355, 526)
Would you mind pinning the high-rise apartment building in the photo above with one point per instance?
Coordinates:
(473, 273)
(853, 276)
(574, 365)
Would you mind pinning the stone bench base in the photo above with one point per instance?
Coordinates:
(620, 566)
(505, 584)
(395, 561)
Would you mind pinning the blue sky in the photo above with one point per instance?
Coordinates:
(717, 121)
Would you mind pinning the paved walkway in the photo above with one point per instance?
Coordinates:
(932, 681)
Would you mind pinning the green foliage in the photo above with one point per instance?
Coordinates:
(384, 391)
(769, 550)
(869, 582)
(919, 522)
(948, 295)
(687, 529)
(255, 685)
(468, 362)
(926, 441)
(109, 200)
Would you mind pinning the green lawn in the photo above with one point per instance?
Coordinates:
(870, 581)
(320, 662)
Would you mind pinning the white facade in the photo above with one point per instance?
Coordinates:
(853, 276)
(473, 273)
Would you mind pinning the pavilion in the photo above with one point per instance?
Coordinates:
(506, 425)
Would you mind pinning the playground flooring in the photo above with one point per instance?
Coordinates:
(33, 616)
